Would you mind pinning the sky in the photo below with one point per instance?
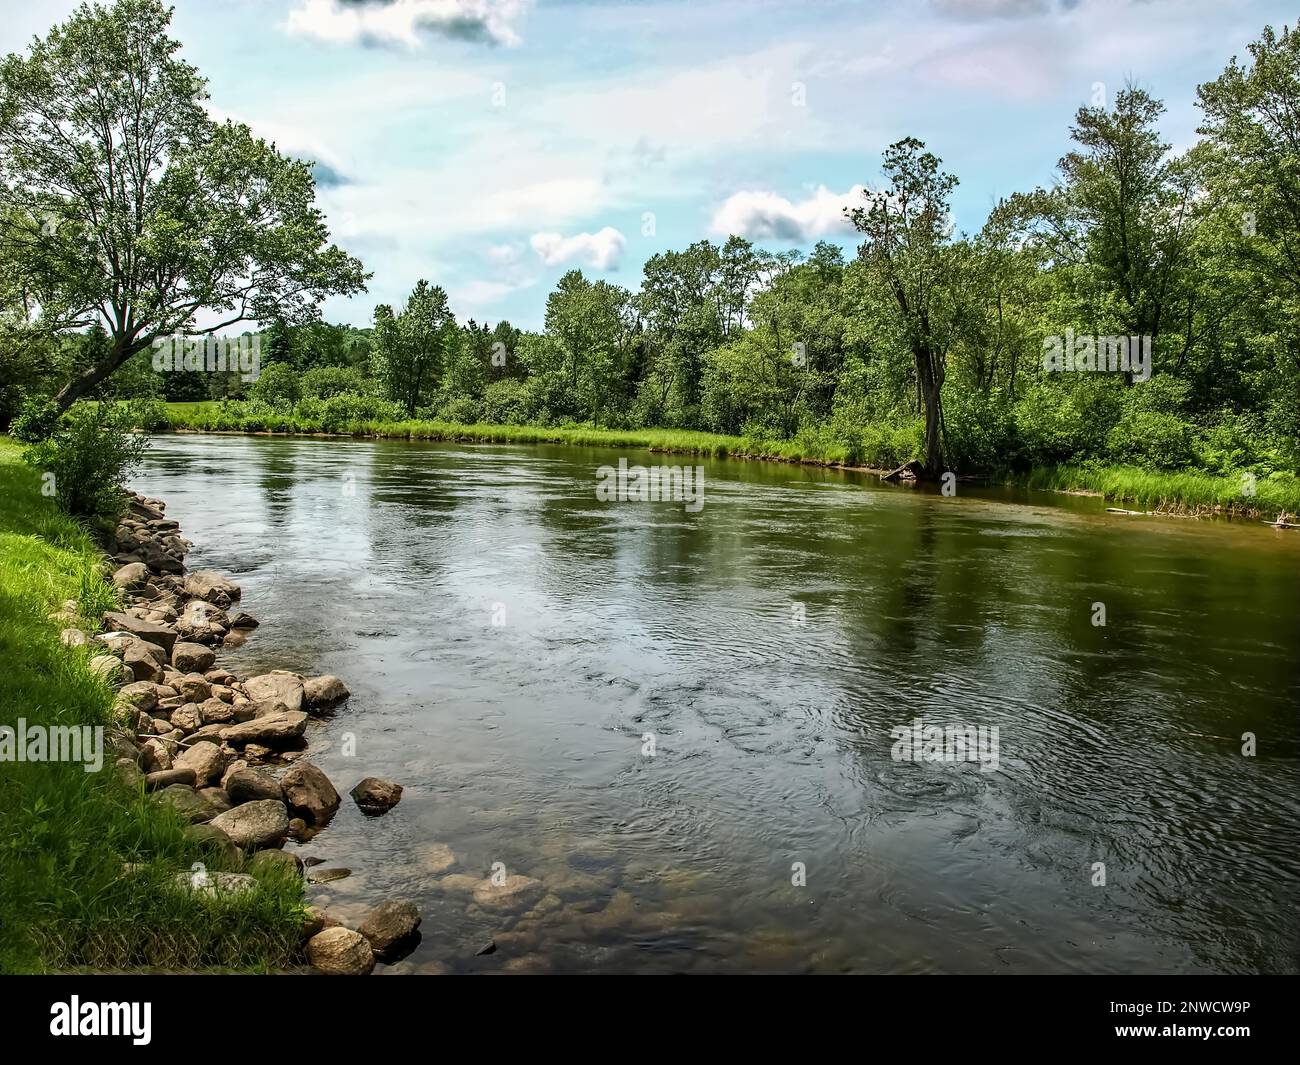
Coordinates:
(490, 145)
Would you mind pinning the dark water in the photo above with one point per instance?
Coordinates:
(510, 643)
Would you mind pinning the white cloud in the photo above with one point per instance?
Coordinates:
(768, 216)
(403, 22)
(601, 251)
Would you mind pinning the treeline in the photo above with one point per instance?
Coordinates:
(927, 344)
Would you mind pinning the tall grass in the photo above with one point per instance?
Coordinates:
(1176, 492)
(65, 834)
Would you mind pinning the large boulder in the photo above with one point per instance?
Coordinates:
(325, 691)
(211, 586)
(247, 784)
(144, 660)
(192, 657)
(275, 730)
(513, 894)
(151, 631)
(277, 686)
(193, 688)
(390, 926)
(192, 806)
(340, 952)
(205, 759)
(253, 825)
(309, 793)
(375, 796)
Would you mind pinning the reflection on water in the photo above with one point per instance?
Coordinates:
(513, 646)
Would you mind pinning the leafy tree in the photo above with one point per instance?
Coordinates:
(122, 202)
(410, 350)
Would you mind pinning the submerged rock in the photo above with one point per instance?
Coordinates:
(375, 796)
(390, 926)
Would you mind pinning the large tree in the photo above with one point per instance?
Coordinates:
(908, 249)
(411, 350)
(124, 204)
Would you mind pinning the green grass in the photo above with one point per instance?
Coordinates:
(65, 833)
(1174, 492)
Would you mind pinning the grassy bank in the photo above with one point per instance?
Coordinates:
(65, 833)
(1168, 492)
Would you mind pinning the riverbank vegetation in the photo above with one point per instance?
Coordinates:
(86, 858)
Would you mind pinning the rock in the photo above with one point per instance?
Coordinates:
(277, 686)
(458, 884)
(243, 621)
(299, 830)
(263, 823)
(193, 688)
(73, 638)
(211, 733)
(218, 797)
(340, 952)
(214, 711)
(215, 885)
(143, 695)
(514, 894)
(149, 631)
(213, 839)
(390, 925)
(309, 793)
(188, 803)
(326, 876)
(489, 948)
(375, 796)
(205, 759)
(276, 862)
(164, 778)
(438, 858)
(192, 657)
(211, 586)
(187, 717)
(142, 660)
(158, 758)
(324, 691)
(110, 670)
(251, 785)
(129, 773)
(275, 730)
(131, 576)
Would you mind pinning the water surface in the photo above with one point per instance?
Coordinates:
(512, 643)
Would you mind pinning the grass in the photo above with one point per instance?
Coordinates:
(1170, 492)
(64, 832)
(1175, 492)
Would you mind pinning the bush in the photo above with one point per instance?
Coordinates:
(460, 411)
(1152, 440)
(277, 386)
(325, 382)
(36, 420)
(89, 457)
(507, 402)
(980, 430)
(1067, 420)
(339, 412)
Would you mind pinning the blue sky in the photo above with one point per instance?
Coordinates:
(490, 145)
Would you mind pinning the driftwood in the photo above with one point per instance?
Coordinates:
(909, 471)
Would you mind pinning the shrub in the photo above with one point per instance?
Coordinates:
(36, 420)
(980, 430)
(460, 411)
(1152, 440)
(277, 386)
(507, 402)
(325, 382)
(339, 412)
(90, 455)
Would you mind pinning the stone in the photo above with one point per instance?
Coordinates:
(218, 797)
(251, 785)
(390, 925)
(276, 861)
(340, 952)
(150, 631)
(243, 621)
(438, 858)
(129, 772)
(253, 825)
(274, 730)
(325, 691)
(193, 688)
(375, 796)
(211, 586)
(514, 894)
(192, 657)
(110, 670)
(309, 793)
(213, 839)
(214, 711)
(131, 576)
(142, 660)
(205, 759)
(73, 638)
(192, 806)
(187, 717)
(143, 695)
(458, 884)
(157, 757)
(276, 686)
(163, 778)
(328, 876)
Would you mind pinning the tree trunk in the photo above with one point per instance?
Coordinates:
(86, 381)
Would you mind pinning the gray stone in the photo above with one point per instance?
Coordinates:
(263, 823)
(340, 952)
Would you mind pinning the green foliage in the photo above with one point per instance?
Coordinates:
(88, 458)
(277, 385)
(323, 382)
(36, 421)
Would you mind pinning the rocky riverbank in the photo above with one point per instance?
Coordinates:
(228, 753)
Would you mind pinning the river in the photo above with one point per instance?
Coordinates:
(684, 723)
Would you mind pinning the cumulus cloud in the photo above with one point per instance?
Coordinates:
(403, 23)
(762, 215)
(601, 251)
(976, 9)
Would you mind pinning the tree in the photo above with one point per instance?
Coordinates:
(592, 326)
(125, 204)
(907, 247)
(410, 350)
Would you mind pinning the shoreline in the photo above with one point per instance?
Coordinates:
(1168, 494)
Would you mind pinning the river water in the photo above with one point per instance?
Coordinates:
(681, 722)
